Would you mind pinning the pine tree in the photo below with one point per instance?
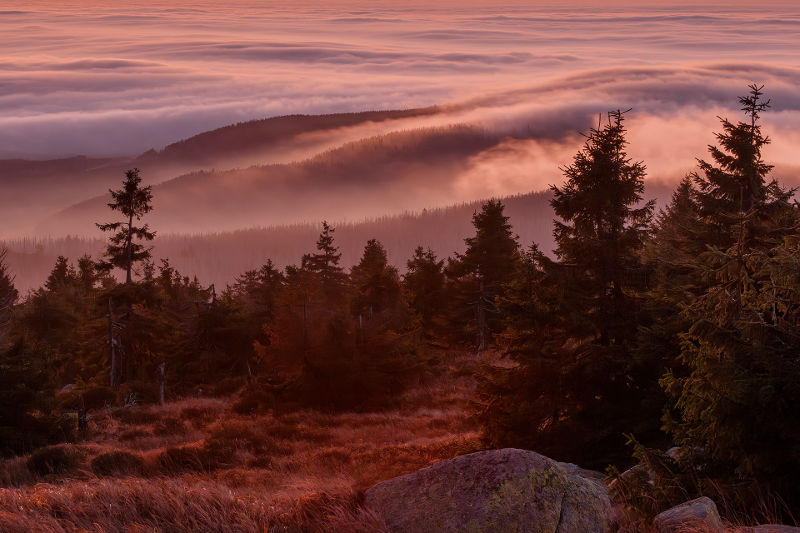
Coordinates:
(23, 382)
(738, 397)
(424, 282)
(8, 296)
(376, 283)
(133, 201)
(601, 232)
(325, 265)
(571, 324)
(480, 273)
(62, 275)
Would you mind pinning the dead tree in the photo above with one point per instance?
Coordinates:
(162, 380)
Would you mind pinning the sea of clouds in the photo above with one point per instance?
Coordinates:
(86, 78)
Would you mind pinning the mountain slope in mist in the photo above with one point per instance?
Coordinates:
(379, 175)
(35, 189)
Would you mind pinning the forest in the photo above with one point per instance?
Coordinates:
(645, 329)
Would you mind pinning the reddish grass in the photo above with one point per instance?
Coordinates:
(196, 465)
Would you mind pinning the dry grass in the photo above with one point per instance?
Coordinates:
(196, 465)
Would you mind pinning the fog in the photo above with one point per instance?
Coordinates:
(113, 82)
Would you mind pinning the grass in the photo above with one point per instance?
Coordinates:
(196, 464)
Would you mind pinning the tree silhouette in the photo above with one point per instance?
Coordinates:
(485, 267)
(739, 392)
(424, 281)
(8, 295)
(325, 264)
(133, 201)
(376, 283)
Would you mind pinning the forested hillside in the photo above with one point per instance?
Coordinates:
(33, 190)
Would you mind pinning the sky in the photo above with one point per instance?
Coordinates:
(102, 78)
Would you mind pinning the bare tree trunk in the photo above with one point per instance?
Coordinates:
(481, 321)
(162, 380)
(112, 347)
(130, 249)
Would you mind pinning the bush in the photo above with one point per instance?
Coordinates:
(254, 400)
(143, 391)
(117, 463)
(175, 460)
(134, 416)
(89, 397)
(226, 438)
(227, 386)
(199, 417)
(169, 426)
(59, 460)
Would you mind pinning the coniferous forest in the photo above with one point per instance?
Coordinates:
(658, 345)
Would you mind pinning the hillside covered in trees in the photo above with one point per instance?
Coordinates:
(628, 330)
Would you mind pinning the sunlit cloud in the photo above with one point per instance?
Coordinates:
(92, 79)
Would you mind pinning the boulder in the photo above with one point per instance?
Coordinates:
(497, 491)
(698, 515)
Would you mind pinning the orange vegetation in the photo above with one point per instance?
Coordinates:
(196, 465)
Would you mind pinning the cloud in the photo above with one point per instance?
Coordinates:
(112, 80)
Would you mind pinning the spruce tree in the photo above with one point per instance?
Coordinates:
(424, 282)
(480, 273)
(737, 398)
(376, 283)
(8, 296)
(602, 230)
(133, 202)
(325, 265)
(24, 398)
(571, 324)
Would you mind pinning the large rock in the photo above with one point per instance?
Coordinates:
(698, 515)
(498, 491)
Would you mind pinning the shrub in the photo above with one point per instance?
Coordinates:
(175, 460)
(89, 397)
(117, 463)
(226, 438)
(59, 459)
(169, 426)
(199, 416)
(143, 391)
(226, 386)
(134, 416)
(254, 400)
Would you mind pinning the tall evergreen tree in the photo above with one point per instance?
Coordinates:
(376, 283)
(480, 273)
(738, 398)
(424, 282)
(23, 381)
(8, 295)
(603, 228)
(133, 202)
(571, 324)
(325, 265)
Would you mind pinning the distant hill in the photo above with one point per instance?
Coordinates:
(370, 177)
(254, 137)
(31, 190)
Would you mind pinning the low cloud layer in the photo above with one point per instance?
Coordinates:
(85, 78)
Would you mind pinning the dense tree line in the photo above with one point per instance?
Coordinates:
(677, 327)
